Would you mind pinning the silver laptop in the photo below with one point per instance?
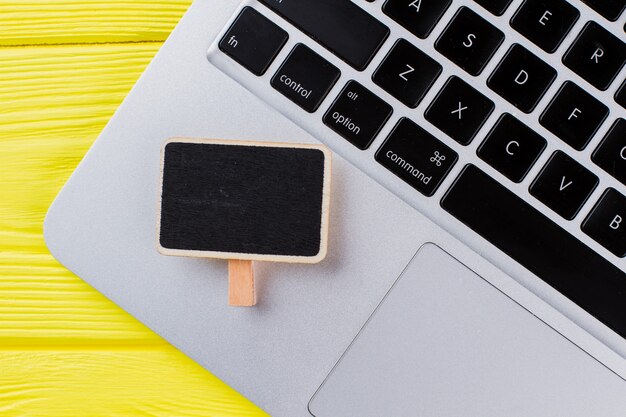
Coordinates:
(477, 243)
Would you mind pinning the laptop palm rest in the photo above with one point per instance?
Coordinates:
(445, 342)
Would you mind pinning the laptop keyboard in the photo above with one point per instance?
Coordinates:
(494, 114)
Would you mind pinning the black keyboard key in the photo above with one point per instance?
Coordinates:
(606, 223)
(610, 9)
(305, 78)
(340, 26)
(357, 115)
(459, 110)
(596, 55)
(497, 7)
(469, 41)
(416, 156)
(564, 185)
(253, 41)
(407, 73)
(545, 22)
(512, 148)
(620, 96)
(574, 115)
(522, 78)
(611, 154)
(418, 16)
(540, 245)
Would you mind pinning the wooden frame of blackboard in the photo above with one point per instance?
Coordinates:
(325, 218)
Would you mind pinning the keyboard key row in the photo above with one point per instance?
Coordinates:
(459, 110)
(536, 242)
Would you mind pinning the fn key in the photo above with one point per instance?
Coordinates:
(253, 41)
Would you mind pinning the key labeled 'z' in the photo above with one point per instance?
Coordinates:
(563, 185)
(407, 72)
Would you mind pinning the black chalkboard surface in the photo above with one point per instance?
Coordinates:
(244, 200)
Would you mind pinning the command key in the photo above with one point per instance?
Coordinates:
(416, 156)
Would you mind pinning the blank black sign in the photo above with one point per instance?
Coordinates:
(242, 199)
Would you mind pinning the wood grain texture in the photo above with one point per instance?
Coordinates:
(64, 349)
(29, 22)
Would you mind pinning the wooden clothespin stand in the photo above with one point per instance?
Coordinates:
(241, 291)
(244, 202)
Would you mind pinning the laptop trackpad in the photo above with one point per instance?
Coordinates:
(445, 342)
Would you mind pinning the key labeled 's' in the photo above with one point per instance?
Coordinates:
(469, 41)
(606, 223)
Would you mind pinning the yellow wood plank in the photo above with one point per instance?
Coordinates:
(55, 100)
(155, 382)
(27, 22)
(64, 349)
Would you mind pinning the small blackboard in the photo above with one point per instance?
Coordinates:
(244, 200)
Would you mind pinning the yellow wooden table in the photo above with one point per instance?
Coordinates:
(65, 350)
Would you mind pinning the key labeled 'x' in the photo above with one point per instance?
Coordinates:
(459, 110)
